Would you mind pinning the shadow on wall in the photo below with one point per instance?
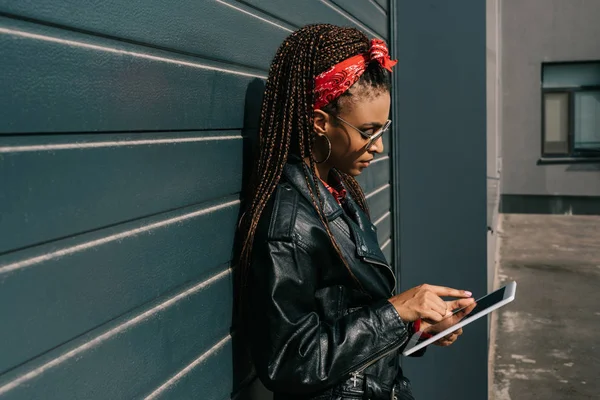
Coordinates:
(245, 386)
(252, 106)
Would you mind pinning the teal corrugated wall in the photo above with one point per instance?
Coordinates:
(121, 147)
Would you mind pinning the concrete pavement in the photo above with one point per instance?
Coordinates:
(547, 342)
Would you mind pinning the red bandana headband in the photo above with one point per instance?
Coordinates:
(330, 84)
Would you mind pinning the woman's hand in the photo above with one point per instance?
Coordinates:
(424, 302)
(466, 305)
(449, 339)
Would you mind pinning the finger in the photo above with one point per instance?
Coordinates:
(431, 315)
(446, 341)
(428, 324)
(460, 303)
(450, 334)
(467, 310)
(446, 291)
(438, 305)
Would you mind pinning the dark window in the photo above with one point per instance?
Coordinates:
(571, 109)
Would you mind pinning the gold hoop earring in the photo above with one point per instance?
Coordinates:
(328, 150)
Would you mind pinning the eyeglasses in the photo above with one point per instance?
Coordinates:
(372, 137)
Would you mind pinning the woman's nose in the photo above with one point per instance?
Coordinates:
(377, 146)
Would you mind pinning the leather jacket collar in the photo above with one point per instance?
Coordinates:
(353, 230)
(294, 172)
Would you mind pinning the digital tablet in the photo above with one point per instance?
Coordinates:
(485, 305)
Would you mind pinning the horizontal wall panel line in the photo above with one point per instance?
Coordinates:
(378, 6)
(138, 54)
(119, 178)
(384, 4)
(376, 191)
(86, 289)
(387, 251)
(384, 227)
(109, 226)
(226, 64)
(303, 12)
(116, 132)
(384, 216)
(188, 28)
(367, 14)
(349, 17)
(379, 203)
(251, 14)
(47, 256)
(288, 23)
(379, 159)
(100, 144)
(386, 243)
(126, 93)
(275, 21)
(376, 175)
(98, 340)
(173, 380)
(115, 320)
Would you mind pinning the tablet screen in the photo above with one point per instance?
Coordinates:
(485, 302)
(484, 306)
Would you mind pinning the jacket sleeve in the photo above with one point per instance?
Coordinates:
(293, 349)
(416, 354)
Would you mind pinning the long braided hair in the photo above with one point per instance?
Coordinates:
(286, 122)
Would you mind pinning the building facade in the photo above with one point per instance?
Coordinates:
(550, 106)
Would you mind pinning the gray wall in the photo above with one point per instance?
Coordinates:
(122, 126)
(493, 102)
(440, 106)
(533, 32)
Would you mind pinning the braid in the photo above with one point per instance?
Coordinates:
(286, 123)
(355, 191)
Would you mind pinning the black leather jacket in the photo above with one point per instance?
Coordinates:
(314, 332)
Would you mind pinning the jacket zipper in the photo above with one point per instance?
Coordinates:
(394, 348)
(370, 260)
(372, 361)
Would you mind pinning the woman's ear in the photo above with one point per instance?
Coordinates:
(320, 121)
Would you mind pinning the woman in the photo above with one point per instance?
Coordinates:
(321, 319)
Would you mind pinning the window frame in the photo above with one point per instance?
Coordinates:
(571, 156)
(570, 92)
